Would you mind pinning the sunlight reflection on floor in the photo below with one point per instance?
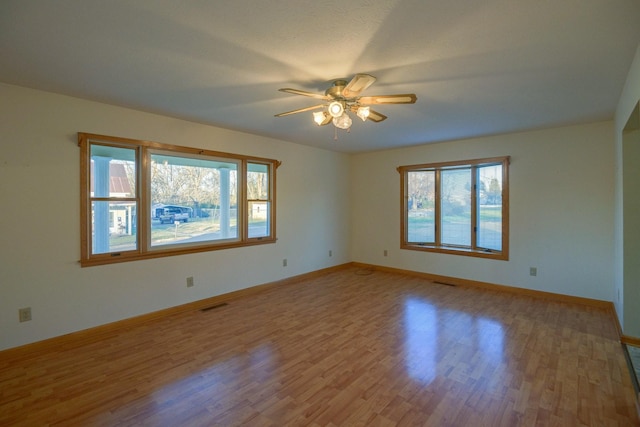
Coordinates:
(421, 332)
(423, 323)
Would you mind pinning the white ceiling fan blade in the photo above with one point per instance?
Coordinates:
(300, 110)
(358, 83)
(374, 116)
(304, 93)
(407, 98)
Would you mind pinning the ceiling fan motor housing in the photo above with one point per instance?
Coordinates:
(335, 91)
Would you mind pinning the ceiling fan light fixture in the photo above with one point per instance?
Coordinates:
(342, 122)
(343, 98)
(321, 118)
(363, 113)
(336, 109)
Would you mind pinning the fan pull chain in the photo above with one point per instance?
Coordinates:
(335, 133)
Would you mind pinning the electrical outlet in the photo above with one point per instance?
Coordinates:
(386, 253)
(330, 252)
(284, 262)
(533, 271)
(24, 314)
(189, 281)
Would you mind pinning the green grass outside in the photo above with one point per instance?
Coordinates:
(168, 232)
(487, 214)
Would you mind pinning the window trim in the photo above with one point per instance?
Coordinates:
(144, 249)
(473, 250)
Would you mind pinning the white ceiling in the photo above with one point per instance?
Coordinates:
(478, 67)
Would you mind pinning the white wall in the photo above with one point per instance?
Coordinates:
(561, 210)
(627, 307)
(631, 235)
(562, 214)
(39, 189)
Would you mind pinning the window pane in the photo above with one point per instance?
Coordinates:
(113, 171)
(490, 207)
(193, 200)
(143, 199)
(421, 206)
(113, 227)
(456, 207)
(466, 200)
(259, 207)
(259, 213)
(257, 181)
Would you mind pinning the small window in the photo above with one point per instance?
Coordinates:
(456, 207)
(144, 200)
(258, 200)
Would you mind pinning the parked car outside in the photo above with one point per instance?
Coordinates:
(170, 215)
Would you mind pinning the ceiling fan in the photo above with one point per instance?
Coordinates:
(343, 97)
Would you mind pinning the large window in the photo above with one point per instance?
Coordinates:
(457, 207)
(145, 200)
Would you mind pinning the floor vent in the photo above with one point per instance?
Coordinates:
(214, 306)
(443, 283)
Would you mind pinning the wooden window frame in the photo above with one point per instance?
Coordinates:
(141, 197)
(472, 250)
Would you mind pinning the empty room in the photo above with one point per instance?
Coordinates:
(368, 213)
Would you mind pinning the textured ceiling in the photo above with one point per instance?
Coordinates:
(477, 67)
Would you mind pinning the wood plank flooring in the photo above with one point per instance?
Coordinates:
(351, 348)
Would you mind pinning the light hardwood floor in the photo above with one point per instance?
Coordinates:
(350, 348)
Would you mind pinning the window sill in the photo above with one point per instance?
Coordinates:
(489, 254)
(114, 258)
